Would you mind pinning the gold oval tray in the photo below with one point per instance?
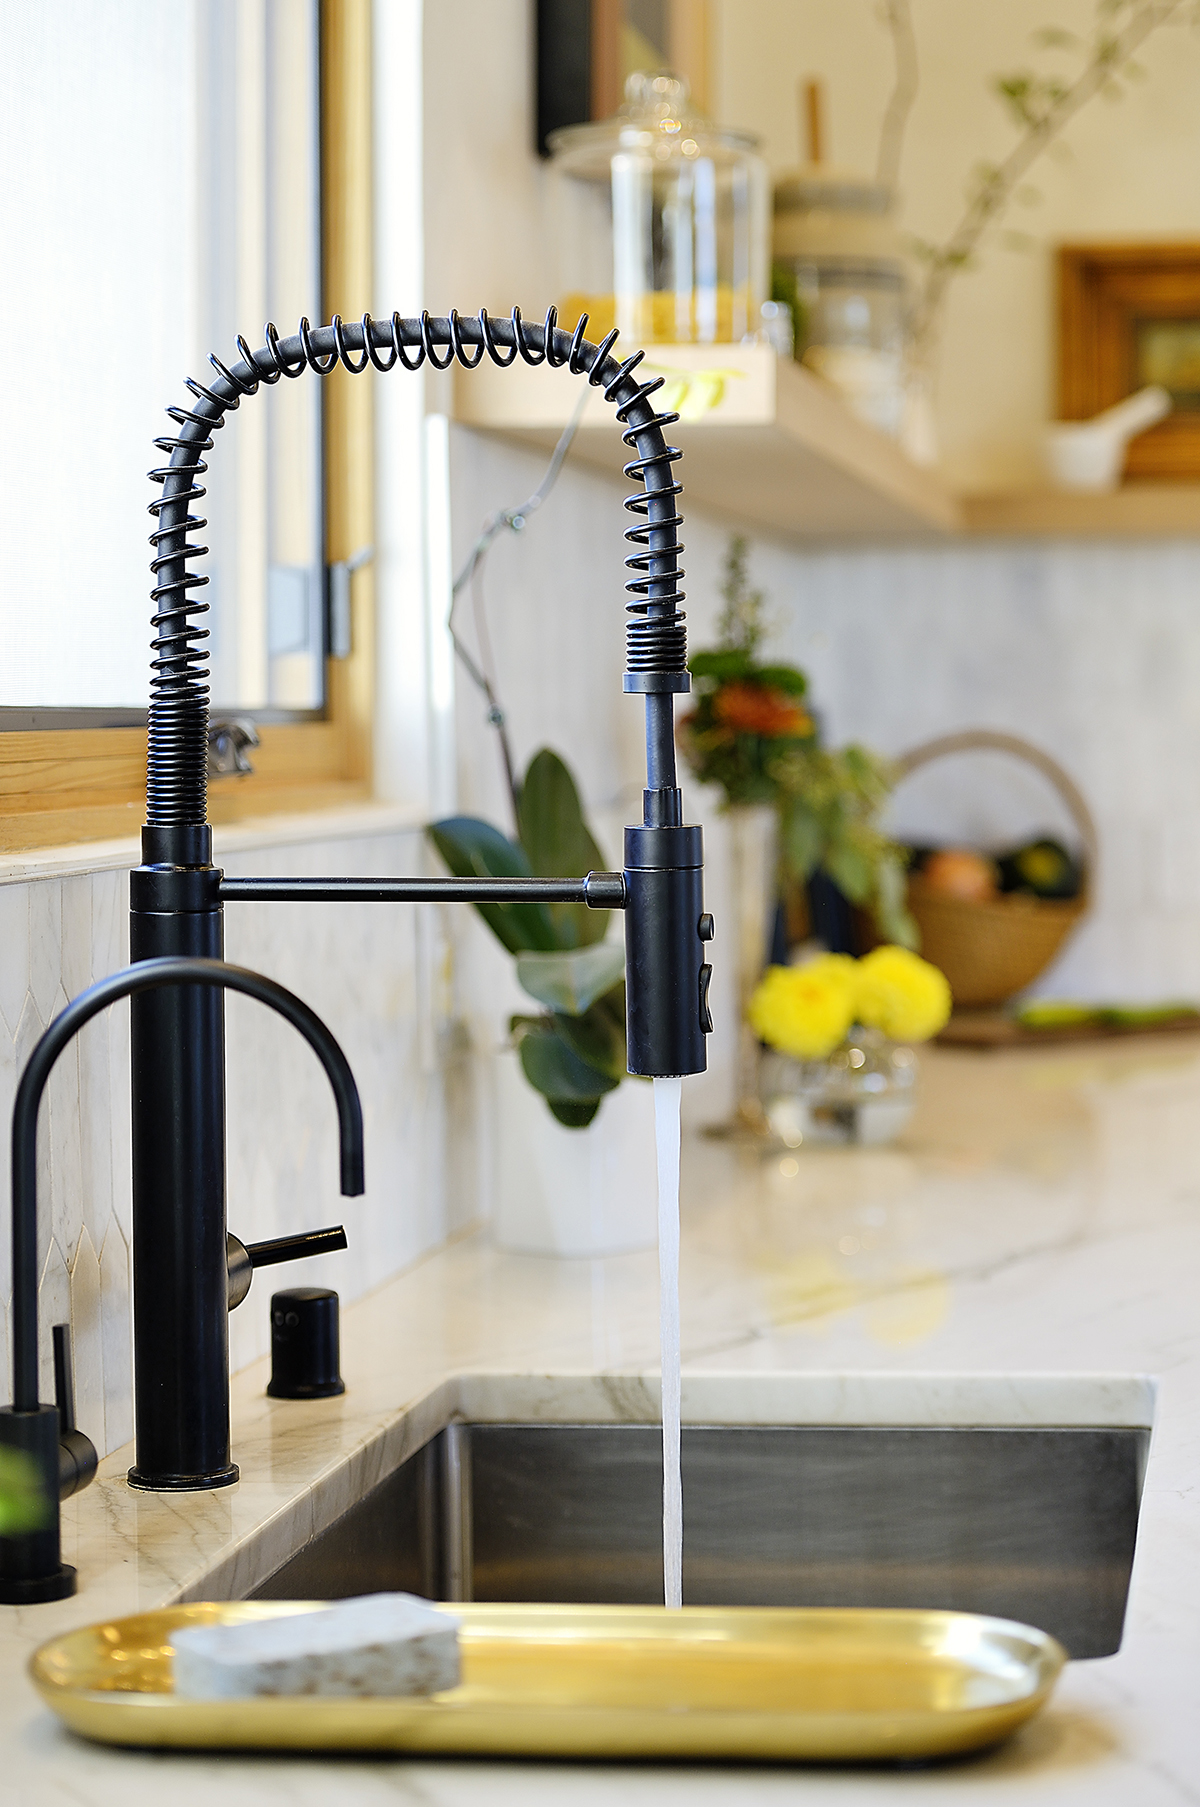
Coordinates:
(756, 1684)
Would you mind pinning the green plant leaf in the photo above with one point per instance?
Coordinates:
(802, 841)
(556, 1070)
(573, 980)
(474, 849)
(721, 663)
(889, 907)
(852, 871)
(788, 678)
(558, 844)
(553, 832)
(598, 1034)
(23, 1503)
(573, 1116)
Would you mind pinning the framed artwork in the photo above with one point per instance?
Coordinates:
(587, 48)
(1129, 314)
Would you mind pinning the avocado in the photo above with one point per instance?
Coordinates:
(1043, 868)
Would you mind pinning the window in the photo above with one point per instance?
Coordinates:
(162, 194)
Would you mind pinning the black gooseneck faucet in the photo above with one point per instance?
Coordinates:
(58, 1459)
(180, 1261)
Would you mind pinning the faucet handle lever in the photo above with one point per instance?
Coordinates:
(64, 1378)
(244, 1257)
(77, 1457)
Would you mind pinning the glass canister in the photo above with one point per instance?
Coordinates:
(839, 263)
(663, 227)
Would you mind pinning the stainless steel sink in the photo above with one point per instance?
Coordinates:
(1029, 1523)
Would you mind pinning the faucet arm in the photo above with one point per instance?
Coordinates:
(599, 890)
(145, 976)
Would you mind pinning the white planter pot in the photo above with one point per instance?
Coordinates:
(561, 1191)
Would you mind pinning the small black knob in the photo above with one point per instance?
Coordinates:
(706, 928)
(305, 1350)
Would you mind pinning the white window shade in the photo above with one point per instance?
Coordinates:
(160, 195)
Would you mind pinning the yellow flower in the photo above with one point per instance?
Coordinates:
(840, 969)
(901, 994)
(804, 1011)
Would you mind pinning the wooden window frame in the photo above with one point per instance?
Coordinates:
(66, 785)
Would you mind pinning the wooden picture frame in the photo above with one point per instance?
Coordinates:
(586, 48)
(1129, 314)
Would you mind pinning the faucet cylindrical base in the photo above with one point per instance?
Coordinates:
(180, 1312)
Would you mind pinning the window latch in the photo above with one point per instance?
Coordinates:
(340, 574)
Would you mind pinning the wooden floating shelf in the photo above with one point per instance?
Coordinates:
(777, 449)
(1136, 510)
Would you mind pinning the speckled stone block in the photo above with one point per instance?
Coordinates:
(377, 1644)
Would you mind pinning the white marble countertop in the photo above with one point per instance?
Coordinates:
(1040, 1218)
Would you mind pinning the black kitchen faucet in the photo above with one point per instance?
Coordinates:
(182, 1254)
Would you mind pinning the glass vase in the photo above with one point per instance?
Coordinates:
(754, 877)
(862, 1094)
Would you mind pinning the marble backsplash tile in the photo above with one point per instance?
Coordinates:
(380, 975)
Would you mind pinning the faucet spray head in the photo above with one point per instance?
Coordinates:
(666, 974)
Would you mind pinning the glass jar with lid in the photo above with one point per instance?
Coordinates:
(838, 261)
(663, 228)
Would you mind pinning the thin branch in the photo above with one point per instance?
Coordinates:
(996, 185)
(480, 670)
(898, 17)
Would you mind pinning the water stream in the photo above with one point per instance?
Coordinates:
(666, 1125)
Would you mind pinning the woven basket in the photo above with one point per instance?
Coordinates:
(991, 949)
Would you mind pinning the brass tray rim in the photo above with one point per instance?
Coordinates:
(455, 1723)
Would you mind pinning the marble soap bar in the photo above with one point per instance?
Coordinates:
(377, 1644)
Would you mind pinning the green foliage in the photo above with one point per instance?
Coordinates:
(558, 844)
(474, 849)
(785, 289)
(741, 625)
(574, 979)
(597, 1034)
(575, 1053)
(745, 710)
(1030, 99)
(571, 1085)
(1041, 103)
(721, 664)
(829, 804)
(750, 735)
(23, 1504)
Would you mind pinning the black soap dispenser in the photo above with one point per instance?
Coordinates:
(305, 1344)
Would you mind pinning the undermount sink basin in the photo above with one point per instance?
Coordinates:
(1033, 1521)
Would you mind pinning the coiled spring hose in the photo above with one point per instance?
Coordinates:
(656, 638)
